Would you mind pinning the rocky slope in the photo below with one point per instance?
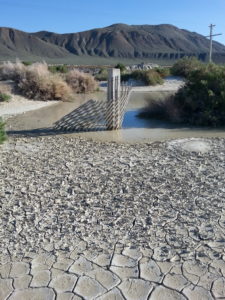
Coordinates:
(115, 41)
(16, 43)
(121, 40)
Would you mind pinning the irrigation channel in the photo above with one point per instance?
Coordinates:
(134, 129)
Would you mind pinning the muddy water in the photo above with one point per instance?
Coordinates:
(134, 129)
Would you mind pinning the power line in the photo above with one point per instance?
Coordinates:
(211, 35)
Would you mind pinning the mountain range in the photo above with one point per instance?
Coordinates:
(118, 41)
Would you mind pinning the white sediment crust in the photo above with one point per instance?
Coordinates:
(18, 105)
(191, 144)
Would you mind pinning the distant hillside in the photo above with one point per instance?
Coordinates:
(118, 41)
(16, 43)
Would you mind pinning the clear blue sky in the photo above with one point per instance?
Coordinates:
(79, 15)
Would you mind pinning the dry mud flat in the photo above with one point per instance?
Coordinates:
(89, 220)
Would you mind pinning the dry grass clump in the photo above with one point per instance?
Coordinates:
(34, 81)
(41, 69)
(81, 82)
(12, 71)
(37, 83)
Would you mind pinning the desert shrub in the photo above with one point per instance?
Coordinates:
(102, 75)
(39, 68)
(4, 97)
(12, 71)
(27, 63)
(184, 66)
(163, 72)
(150, 77)
(58, 69)
(43, 87)
(120, 66)
(2, 131)
(36, 81)
(81, 82)
(202, 100)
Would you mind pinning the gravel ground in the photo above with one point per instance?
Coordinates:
(163, 201)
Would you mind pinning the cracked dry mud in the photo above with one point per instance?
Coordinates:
(88, 220)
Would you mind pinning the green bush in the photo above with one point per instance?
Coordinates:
(4, 97)
(58, 69)
(120, 66)
(27, 63)
(150, 77)
(202, 100)
(163, 72)
(184, 66)
(102, 75)
(2, 132)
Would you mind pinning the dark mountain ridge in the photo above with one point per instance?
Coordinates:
(116, 41)
(15, 43)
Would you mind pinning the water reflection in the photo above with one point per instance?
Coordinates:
(134, 129)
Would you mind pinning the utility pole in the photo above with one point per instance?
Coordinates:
(211, 35)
